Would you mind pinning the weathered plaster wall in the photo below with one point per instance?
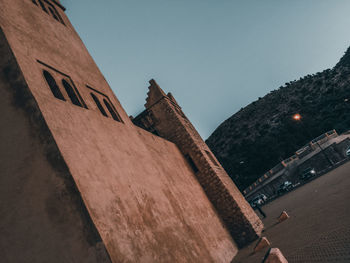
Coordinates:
(164, 115)
(141, 194)
(43, 218)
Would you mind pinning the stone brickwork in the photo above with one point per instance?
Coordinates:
(163, 116)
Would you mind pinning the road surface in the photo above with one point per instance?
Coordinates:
(318, 229)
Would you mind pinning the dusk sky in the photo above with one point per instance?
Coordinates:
(214, 56)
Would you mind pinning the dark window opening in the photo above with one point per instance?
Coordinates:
(53, 85)
(54, 14)
(111, 110)
(58, 15)
(99, 105)
(191, 163)
(42, 6)
(71, 94)
(49, 9)
(211, 157)
(80, 98)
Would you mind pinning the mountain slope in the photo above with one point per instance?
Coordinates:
(263, 133)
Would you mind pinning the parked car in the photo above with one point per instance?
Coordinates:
(348, 152)
(263, 197)
(258, 200)
(308, 173)
(285, 187)
(255, 202)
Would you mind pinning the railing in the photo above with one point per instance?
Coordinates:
(298, 154)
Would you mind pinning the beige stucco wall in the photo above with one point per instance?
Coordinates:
(141, 195)
(43, 217)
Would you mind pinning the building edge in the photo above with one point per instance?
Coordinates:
(23, 100)
(165, 118)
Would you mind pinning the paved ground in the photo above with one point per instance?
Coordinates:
(318, 229)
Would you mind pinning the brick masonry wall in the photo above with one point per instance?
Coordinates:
(171, 123)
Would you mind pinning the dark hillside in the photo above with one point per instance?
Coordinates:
(263, 133)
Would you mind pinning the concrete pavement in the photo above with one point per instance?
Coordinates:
(318, 229)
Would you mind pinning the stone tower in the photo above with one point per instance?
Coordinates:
(79, 182)
(164, 117)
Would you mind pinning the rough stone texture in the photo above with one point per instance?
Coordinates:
(275, 256)
(163, 116)
(284, 216)
(76, 186)
(261, 244)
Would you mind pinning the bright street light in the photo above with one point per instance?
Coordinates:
(297, 117)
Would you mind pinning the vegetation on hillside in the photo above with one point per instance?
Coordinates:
(262, 134)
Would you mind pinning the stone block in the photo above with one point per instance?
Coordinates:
(274, 255)
(262, 243)
(284, 216)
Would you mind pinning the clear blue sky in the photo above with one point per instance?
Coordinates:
(215, 56)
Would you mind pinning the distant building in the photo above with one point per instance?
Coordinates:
(334, 151)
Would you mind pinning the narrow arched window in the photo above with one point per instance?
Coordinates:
(58, 15)
(53, 85)
(71, 94)
(42, 6)
(98, 104)
(111, 110)
(54, 14)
